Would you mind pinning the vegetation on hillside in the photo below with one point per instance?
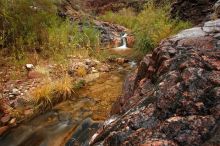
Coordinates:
(149, 26)
(34, 26)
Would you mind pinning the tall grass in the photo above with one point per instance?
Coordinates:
(149, 26)
(53, 92)
(33, 26)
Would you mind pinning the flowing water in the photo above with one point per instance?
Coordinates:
(73, 122)
(123, 50)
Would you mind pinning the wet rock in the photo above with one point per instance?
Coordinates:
(173, 96)
(121, 60)
(3, 130)
(110, 33)
(130, 41)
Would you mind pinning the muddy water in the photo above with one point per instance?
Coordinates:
(71, 122)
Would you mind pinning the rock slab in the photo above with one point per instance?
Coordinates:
(173, 98)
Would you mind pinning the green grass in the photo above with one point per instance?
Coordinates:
(149, 26)
(33, 27)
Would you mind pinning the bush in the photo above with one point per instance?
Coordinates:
(33, 26)
(125, 17)
(149, 26)
(25, 22)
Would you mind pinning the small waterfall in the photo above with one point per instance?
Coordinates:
(124, 43)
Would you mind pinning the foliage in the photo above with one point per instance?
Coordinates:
(149, 26)
(125, 17)
(79, 84)
(81, 71)
(33, 26)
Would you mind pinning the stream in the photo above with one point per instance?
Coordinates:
(72, 122)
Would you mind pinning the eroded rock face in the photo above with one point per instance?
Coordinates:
(173, 98)
(194, 10)
(101, 6)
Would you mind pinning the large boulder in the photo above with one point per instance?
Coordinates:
(173, 98)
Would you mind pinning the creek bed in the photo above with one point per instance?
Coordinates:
(71, 122)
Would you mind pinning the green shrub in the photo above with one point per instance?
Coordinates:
(125, 17)
(24, 22)
(149, 26)
(33, 26)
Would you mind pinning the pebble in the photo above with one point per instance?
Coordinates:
(12, 122)
(94, 70)
(104, 68)
(29, 66)
(5, 119)
(6, 91)
(15, 91)
(11, 97)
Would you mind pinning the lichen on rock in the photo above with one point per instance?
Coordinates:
(173, 96)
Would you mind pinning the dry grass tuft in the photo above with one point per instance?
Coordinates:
(43, 95)
(81, 71)
(53, 92)
(42, 70)
(63, 88)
